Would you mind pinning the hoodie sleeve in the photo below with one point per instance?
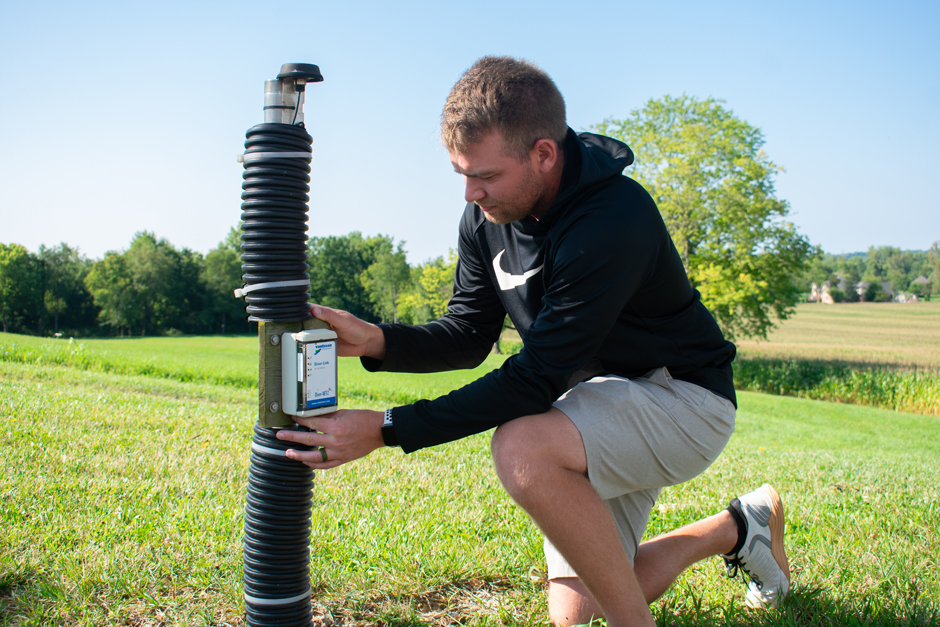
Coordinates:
(465, 335)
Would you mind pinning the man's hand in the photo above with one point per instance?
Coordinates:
(345, 435)
(357, 338)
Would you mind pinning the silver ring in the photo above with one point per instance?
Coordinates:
(323, 454)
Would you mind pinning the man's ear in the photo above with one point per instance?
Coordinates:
(544, 154)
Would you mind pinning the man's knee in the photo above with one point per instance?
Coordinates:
(570, 603)
(513, 454)
(528, 449)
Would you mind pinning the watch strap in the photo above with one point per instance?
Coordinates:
(388, 430)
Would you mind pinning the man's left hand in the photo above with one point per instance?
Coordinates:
(344, 435)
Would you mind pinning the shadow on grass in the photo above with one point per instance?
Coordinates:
(802, 608)
(476, 601)
(12, 585)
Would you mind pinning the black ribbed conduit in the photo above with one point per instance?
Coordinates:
(274, 249)
(274, 222)
(277, 535)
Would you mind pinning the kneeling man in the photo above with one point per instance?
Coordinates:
(624, 382)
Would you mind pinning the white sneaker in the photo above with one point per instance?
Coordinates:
(762, 557)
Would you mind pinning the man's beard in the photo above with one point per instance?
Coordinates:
(521, 205)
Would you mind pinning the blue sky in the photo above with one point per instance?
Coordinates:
(121, 117)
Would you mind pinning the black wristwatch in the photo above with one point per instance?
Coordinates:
(388, 430)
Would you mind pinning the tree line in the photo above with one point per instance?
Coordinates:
(880, 266)
(154, 288)
(704, 167)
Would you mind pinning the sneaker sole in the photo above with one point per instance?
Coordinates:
(777, 522)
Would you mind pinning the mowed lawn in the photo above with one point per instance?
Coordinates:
(121, 500)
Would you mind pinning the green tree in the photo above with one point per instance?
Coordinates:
(714, 186)
(222, 275)
(385, 278)
(922, 290)
(20, 290)
(151, 286)
(933, 265)
(336, 266)
(875, 293)
(151, 263)
(112, 286)
(897, 266)
(69, 305)
(850, 270)
(820, 269)
(189, 293)
(431, 289)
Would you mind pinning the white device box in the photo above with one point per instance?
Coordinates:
(309, 383)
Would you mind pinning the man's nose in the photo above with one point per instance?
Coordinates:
(474, 191)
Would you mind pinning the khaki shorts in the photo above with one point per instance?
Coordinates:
(641, 435)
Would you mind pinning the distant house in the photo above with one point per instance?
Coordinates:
(821, 294)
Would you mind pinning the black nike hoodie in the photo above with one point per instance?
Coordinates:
(596, 286)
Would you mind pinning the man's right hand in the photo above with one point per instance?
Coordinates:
(357, 338)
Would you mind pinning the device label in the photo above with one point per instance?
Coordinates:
(320, 374)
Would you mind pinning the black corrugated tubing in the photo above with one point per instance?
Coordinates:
(274, 222)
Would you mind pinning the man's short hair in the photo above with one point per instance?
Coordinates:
(510, 95)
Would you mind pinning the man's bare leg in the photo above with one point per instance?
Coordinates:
(657, 565)
(661, 560)
(541, 463)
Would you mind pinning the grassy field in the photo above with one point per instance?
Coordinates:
(895, 335)
(878, 354)
(121, 494)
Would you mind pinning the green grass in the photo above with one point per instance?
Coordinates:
(121, 503)
(228, 360)
(917, 391)
(879, 354)
(231, 361)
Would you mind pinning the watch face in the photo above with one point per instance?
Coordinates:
(388, 435)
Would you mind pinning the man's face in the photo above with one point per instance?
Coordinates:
(505, 189)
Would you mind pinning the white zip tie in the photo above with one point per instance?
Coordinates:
(252, 156)
(264, 286)
(257, 601)
(267, 449)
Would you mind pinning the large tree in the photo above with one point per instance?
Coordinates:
(69, 306)
(20, 290)
(111, 283)
(714, 186)
(385, 278)
(151, 286)
(430, 289)
(337, 263)
(222, 275)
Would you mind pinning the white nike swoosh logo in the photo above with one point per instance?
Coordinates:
(509, 281)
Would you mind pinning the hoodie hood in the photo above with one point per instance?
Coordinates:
(589, 159)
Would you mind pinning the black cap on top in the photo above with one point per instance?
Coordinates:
(301, 70)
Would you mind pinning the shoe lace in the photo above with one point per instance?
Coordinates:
(735, 566)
